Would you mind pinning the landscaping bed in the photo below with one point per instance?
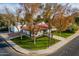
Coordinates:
(28, 43)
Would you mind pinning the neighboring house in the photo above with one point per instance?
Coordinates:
(16, 28)
(38, 28)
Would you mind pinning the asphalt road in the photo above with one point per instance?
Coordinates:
(70, 49)
(6, 50)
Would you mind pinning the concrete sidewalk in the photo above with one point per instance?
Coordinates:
(58, 37)
(49, 50)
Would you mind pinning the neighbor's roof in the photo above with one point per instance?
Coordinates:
(36, 27)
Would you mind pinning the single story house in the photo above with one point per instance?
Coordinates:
(37, 29)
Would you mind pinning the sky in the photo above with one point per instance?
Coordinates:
(13, 6)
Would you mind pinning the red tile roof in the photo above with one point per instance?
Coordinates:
(36, 27)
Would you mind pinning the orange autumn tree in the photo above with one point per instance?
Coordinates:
(53, 13)
(61, 21)
(30, 10)
(46, 15)
(50, 13)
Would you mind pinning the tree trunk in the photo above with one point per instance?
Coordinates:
(30, 34)
(34, 40)
(19, 32)
(9, 29)
(49, 39)
(21, 36)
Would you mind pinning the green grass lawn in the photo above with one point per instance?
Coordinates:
(41, 42)
(63, 34)
(67, 33)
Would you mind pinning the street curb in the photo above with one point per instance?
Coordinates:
(31, 53)
(13, 47)
(50, 50)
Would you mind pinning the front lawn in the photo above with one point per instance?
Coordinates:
(67, 33)
(41, 42)
(63, 34)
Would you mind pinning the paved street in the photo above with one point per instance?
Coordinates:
(6, 50)
(70, 49)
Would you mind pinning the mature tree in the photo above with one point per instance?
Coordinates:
(30, 9)
(1, 20)
(19, 20)
(12, 19)
(64, 18)
(49, 14)
(9, 18)
(46, 15)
